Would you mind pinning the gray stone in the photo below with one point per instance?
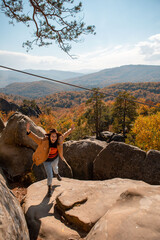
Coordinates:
(80, 156)
(119, 160)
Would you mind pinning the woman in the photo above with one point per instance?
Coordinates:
(49, 149)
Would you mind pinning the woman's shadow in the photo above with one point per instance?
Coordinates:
(36, 212)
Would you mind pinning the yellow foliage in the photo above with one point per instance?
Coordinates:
(147, 132)
(47, 122)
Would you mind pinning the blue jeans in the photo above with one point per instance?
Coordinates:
(51, 167)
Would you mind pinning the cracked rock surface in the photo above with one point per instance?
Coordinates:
(93, 210)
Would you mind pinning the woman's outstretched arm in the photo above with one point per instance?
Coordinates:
(32, 135)
(64, 135)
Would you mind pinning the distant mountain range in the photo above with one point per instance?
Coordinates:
(106, 77)
(127, 73)
(8, 77)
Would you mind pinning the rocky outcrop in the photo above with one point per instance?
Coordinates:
(110, 136)
(30, 111)
(94, 210)
(7, 107)
(80, 156)
(12, 221)
(119, 160)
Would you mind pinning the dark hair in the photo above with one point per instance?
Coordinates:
(49, 134)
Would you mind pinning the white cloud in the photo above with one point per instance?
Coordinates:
(147, 52)
(24, 61)
(155, 38)
(151, 49)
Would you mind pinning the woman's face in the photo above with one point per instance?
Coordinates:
(53, 137)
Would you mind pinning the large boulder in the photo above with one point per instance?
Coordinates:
(12, 221)
(16, 148)
(81, 154)
(119, 160)
(151, 167)
(93, 210)
(64, 170)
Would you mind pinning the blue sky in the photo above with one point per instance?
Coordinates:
(128, 32)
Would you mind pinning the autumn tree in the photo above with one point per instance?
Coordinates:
(52, 20)
(146, 110)
(47, 122)
(124, 112)
(147, 132)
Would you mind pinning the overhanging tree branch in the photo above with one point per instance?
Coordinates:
(55, 21)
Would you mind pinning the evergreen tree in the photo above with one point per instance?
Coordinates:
(97, 114)
(124, 112)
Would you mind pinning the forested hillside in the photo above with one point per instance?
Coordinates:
(33, 89)
(148, 91)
